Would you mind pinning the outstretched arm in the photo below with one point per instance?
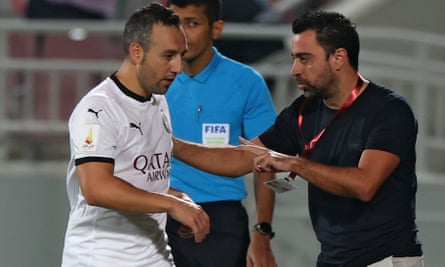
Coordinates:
(226, 161)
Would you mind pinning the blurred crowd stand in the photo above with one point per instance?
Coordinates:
(43, 46)
(23, 85)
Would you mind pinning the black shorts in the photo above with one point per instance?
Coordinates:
(226, 245)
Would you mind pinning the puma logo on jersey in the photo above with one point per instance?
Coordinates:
(134, 125)
(95, 112)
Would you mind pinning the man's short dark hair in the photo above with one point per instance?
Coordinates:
(333, 31)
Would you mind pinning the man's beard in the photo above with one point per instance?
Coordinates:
(322, 90)
(311, 92)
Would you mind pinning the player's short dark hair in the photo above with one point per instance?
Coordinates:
(139, 26)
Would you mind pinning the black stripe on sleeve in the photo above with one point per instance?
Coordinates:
(93, 159)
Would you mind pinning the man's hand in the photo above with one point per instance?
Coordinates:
(267, 160)
(260, 253)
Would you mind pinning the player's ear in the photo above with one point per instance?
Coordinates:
(136, 53)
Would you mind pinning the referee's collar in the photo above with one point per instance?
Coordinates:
(127, 91)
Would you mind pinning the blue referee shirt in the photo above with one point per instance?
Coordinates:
(225, 100)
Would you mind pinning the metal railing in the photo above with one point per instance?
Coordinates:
(410, 62)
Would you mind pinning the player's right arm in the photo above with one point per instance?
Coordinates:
(101, 188)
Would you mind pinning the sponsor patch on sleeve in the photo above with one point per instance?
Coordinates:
(90, 135)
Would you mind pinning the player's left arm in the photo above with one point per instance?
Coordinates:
(224, 161)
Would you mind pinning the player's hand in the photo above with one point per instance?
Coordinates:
(260, 253)
(195, 220)
(185, 231)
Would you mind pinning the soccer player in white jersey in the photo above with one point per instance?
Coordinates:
(120, 140)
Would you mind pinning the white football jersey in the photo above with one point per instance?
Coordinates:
(111, 124)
